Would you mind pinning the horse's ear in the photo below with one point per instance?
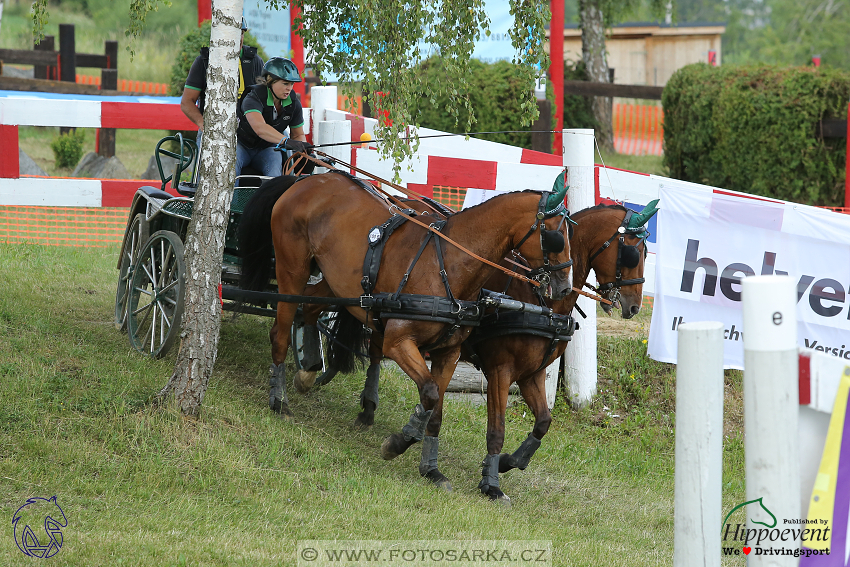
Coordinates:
(559, 192)
(640, 219)
(560, 182)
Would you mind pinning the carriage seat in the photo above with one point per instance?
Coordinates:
(154, 193)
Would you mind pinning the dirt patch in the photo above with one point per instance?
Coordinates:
(614, 325)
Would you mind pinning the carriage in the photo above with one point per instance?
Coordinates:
(151, 266)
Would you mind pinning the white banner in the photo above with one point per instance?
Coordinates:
(708, 241)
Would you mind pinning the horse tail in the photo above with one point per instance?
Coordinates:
(255, 233)
(348, 341)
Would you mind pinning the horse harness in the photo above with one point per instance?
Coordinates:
(628, 256)
(449, 310)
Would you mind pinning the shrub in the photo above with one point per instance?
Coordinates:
(190, 47)
(755, 129)
(493, 98)
(68, 148)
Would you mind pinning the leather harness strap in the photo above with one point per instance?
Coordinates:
(400, 203)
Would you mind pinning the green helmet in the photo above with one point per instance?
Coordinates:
(283, 69)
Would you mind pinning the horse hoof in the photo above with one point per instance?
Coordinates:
(364, 421)
(439, 480)
(393, 446)
(304, 380)
(281, 409)
(496, 495)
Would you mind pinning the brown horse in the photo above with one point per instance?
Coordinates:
(616, 256)
(329, 222)
(523, 358)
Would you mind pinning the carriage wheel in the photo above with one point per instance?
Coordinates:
(137, 234)
(157, 291)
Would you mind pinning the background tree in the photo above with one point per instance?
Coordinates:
(205, 240)
(595, 16)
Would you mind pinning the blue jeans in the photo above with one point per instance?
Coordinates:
(267, 161)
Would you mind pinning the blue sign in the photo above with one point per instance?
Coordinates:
(45, 540)
(272, 28)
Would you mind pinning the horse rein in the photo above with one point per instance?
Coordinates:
(398, 204)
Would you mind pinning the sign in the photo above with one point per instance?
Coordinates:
(270, 27)
(709, 241)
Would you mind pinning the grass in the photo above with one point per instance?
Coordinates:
(133, 148)
(155, 50)
(143, 486)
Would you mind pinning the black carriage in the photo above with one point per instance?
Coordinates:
(151, 267)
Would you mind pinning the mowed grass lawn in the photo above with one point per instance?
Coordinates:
(144, 486)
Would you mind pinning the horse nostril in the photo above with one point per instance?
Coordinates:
(635, 309)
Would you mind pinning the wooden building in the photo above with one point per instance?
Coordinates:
(646, 53)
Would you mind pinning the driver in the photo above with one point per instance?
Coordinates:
(268, 110)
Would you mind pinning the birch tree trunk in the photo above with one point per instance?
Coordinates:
(595, 58)
(1, 16)
(205, 241)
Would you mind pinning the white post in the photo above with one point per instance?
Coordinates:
(771, 406)
(580, 362)
(332, 132)
(551, 384)
(699, 445)
(321, 99)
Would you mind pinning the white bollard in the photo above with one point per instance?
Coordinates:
(580, 362)
(321, 99)
(332, 132)
(699, 444)
(771, 406)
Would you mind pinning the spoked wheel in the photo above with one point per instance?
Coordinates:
(137, 235)
(157, 292)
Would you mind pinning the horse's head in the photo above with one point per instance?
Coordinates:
(618, 256)
(546, 246)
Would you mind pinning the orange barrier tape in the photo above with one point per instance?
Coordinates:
(63, 226)
(638, 129)
(127, 86)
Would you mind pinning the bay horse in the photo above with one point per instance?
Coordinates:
(520, 357)
(329, 222)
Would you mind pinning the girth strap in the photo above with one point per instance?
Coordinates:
(377, 240)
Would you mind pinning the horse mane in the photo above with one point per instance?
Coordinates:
(599, 207)
(499, 197)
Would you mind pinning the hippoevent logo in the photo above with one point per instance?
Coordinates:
(39, 513)
(773, 538)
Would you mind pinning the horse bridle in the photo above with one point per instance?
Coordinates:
(542, 275)
(612, 289)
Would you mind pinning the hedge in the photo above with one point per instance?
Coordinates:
(755, 129)
(494, 102)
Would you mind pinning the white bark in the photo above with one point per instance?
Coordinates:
(205, 241)
(595, 57)
(1, 15)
